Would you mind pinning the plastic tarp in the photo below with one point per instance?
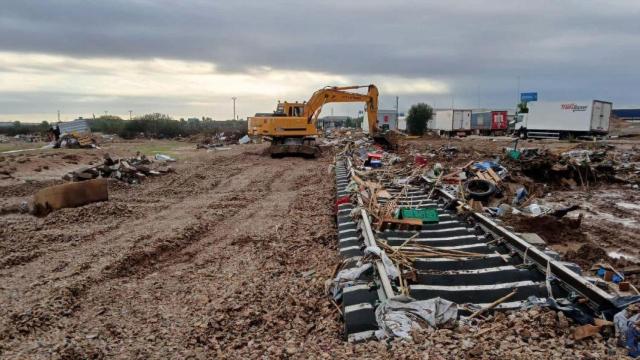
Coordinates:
(347, 277)
(398, 316)
(163, 157)
(244, 140)
(621, 324)
(391, 269)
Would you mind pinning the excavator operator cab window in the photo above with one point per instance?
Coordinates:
(297, 111)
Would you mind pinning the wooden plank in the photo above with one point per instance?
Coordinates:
(493, 175)
(405, 223)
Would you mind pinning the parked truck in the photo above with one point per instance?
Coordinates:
(563, 119)
(489, 122)
(451, 122)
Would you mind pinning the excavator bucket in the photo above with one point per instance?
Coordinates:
(388, 140)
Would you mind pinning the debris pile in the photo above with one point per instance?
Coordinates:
(219, 141)
(131, 170)
(76, 141)
(512, 184)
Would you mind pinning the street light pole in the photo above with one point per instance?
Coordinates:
(130, 112)
(234, 107)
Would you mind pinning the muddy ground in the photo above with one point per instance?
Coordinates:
(229, 253)
(610, 212)
(225, 258)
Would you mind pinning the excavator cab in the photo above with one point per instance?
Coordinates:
(290, 109)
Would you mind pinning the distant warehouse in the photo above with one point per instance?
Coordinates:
(387, 119)
(626, 114)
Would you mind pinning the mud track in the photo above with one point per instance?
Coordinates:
(206, 259)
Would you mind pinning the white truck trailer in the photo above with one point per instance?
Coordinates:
(564, 119)
(450, 121)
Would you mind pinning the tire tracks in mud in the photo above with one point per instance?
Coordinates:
(151, 253)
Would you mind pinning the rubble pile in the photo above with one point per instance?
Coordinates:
(131, 170)
(217, 142)
(532, 333)
(504, 186)
(76, 141)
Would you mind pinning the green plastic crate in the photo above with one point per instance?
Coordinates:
(514, 154)
(426, 215)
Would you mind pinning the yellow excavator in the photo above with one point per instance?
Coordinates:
(292, 128)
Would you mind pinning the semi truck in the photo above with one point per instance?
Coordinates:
(489, 122)
(564, 119)
(450, 122)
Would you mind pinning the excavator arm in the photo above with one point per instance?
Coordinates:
(337, 94)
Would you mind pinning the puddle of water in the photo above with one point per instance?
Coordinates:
(619, 254)
(614, 219)
(30, 149)
(628, 206)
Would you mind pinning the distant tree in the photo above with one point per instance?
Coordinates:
(419, 115)
(522, 108)
(107, 124)
(358, 122)
(349, 123)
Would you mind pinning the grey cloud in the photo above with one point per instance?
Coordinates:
(563, 48)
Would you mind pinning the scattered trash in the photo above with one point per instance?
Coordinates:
(244, 140)
(399, 316)
(163, 157)
(132, 170)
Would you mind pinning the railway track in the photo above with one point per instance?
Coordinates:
(507, 263)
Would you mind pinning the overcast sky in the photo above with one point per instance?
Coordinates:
(189, 57)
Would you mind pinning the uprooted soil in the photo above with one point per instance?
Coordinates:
(553, 230)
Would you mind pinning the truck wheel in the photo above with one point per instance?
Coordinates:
(478, 189)
(523, 134)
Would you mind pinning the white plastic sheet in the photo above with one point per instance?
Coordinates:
(244, 140)
(163, 157)
(391, 269)
(398, 316)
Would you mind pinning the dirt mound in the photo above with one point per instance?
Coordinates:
(551, 229)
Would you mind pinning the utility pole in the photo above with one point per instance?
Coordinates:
(58, 115)
(397, 112)
(130, 112)
(234, 107)
(518, 96)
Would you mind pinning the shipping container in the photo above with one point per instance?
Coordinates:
(489, 122)
(450, 121)
(564, 119)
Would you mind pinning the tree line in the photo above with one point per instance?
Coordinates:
(154, 125)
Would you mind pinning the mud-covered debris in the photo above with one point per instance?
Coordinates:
(131, 170)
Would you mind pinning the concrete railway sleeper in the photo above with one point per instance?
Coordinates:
(504, 262)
